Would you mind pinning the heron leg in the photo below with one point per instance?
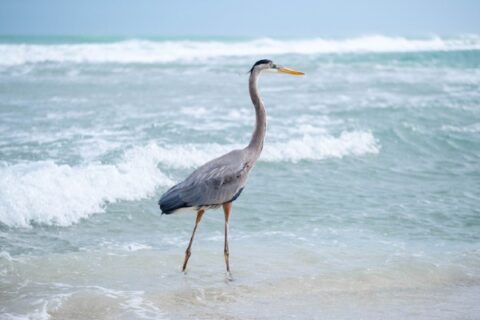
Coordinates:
(188, 252)
(227, 207)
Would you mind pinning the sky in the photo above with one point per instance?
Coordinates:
(249, 18)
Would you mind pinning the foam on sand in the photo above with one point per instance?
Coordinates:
(148, 51)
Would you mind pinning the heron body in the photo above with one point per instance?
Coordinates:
(211, 185)
(220, 181)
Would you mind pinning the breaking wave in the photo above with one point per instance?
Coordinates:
(49, 193)
(149, 51)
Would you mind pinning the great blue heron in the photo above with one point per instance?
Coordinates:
(220, 181)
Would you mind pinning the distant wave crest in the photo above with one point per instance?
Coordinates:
(148, 51)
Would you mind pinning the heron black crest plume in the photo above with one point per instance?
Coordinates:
(263, 61)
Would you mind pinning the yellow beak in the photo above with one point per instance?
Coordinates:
(290, 71)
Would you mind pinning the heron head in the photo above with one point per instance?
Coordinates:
(268, 65)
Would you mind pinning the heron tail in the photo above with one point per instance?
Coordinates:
(171, 201)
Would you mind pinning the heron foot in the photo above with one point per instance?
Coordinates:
(228, 277)
(187, 256)
(227, 260)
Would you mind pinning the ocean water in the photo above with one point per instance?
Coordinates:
(364, 203)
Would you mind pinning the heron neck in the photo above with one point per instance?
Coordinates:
(256, 143)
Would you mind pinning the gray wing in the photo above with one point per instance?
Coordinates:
(216, 182)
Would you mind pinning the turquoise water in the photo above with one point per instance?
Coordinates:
(363, 204)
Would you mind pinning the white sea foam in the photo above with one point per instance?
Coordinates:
(308, 147)
(135, 246)
(321, 147)
(145, 51)
(473, 128)
(51, 193)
